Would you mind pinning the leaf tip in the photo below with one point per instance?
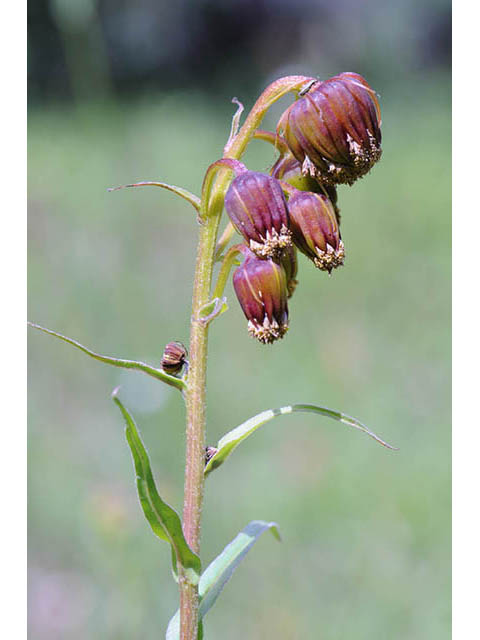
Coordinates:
(274, 528)
(114, 394)
(122, 186)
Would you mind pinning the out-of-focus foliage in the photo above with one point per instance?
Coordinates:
(91, 48)
(366, 549)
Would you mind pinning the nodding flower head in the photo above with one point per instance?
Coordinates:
(257, 208)
(174, 357)
(261, 288)
(315, 229)
(334, 129)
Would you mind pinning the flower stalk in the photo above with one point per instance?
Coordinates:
(211, 208)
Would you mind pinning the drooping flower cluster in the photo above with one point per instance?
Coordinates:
(331, 136)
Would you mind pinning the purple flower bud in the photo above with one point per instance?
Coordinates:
(334, 129)
(261, 288)
(258, 210)
(315, 229)
(174, 357)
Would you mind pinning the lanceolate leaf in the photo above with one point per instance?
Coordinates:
(164, 521)
(220, 570)
(178, 383)
(180, 191)
(232, 439)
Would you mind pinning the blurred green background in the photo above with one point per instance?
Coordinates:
(366, 532)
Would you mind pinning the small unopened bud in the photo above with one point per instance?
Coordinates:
(315, 229)
(290, 263)
(257, 208)
(261, 288)
(174, 357)
(209, 453)
(334, 129)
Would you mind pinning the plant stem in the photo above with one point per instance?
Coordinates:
(212, 207)
(195, 401)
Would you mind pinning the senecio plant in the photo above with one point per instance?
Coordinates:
(330, 135)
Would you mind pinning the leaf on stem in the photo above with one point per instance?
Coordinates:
(178, 383)
(180, 191)
(231, 164)
(164, 521)
(233, 438)
(221, 569)
(212, 310)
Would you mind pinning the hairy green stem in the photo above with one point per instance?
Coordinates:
(196, 419)
(210, 214)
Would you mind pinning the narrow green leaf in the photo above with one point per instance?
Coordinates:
(180, 191)
(178, 383)
(164, 521)
(233, 438)
(221, 569)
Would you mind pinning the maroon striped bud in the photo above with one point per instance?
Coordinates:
(174, 357)
(315, 229)
(258, 210)
(261, 288)
(334, 129)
